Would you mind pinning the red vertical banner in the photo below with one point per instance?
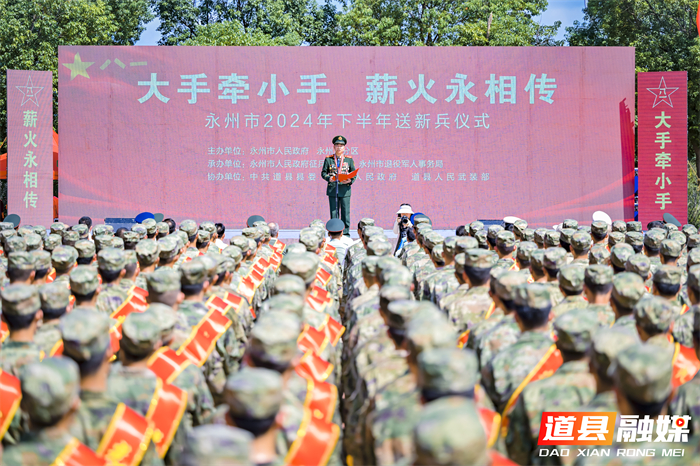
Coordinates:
(30, 146)
(663, 145)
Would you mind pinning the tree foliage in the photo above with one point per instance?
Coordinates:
(664, 34)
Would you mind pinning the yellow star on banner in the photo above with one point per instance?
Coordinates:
(78, 67)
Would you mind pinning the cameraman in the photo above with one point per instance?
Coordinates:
(402, 226)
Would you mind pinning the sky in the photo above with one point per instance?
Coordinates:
(566, 11)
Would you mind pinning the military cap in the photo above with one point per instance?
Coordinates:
(479, 259)
(15, 244)
(447, 370)
(150, 225)
(643, 373)
(310, 240)
(693, 241)
(49, 389)
(607, 343)
(432, 239)
(481, 238)
(634, 226)
(254, 393)
(241, 242)
(464, 243)
(140, 230)
(528, 234)
(539, 236)
(217, 445)
(654, 237)
(252, 233)
(234, 253)
(399, 313)
(437, 254)
(668, 275)
(525, 248)
(24, 229)
(52, 241)
(266, 235)
(519, 226)
(390, 293)
(42, 259)
(32, 241)
(575, 329)
(130, 257)
(295, 248)
(534, 295)
(396, 276)
(387, 262)
(554, 258)
(6, 226)
(440, 436)
(20, 300)
(570, 224)
(102, 229)
(493, 231)
(117, 243)
(537, 259)
(211, 262)
(55, 228)
(427, 330)
(335, 225)
(85, 332)
(616, 237)
(369, 265)
(273, 339)
(581, 241)
(670, 248)
(189, 227)
(689, 230)
(379, 248)
(169, 247)
(598, 275)
(181, 236)
(111, 260)
(599, 254)
(304, 265)
(506, 283)
(678, 237)
(162, 228)
(140, 334)
(634, 238)
(449, 245)
(63, 257)
(552, 238)
(286, 303)
(203, 236)
(620, 253)
(147, 252)
(83, 280)
(475, 226)
(566, 235)
(82, 230)
(505, 239)
(130, 238)
(670, 227)
(85, 248)
(694, 257)
(70, 237)
(103, 242)
(694, 277)
(193, 272)
(599, 228)
(584, 228)
(20, 261)
(339, 140)
(5, 234)
(253, 219)
(619, 226)
(654, 314)
(571, 278)
(639, 264)
(368, 222)
(54, 296)
(163, 280)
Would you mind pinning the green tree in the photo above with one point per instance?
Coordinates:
(445, 22)
(665, 38)
(231, 33)
(32, 30)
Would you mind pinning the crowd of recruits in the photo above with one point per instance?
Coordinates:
(263, 353)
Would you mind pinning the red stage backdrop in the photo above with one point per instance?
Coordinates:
(461, 133)
(663, 145)
(30, 146)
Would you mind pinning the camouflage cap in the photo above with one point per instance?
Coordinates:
(163, 280)
(654, 237)
(689, 230)
(52, 241)
(537, 259)
(20, 261)
(55, 228)
(217, 445)
(396, 276)
(432, 239)
(554, 258)
(6, 226)
(166, 317)
(599, 228)
(211, 262)
(33, 241)
(465, 243)
(447, 370)
(379, 248)
(599, 255)
(130, 257)
(620, 253)
(63, 258)
(441, 439)
(475, 226)
(639, 264)
(693, 257)
(168, 248)
(693, 241)
(162, 228)
(581, 241)
(678, 237)
(85, 333)
(505, 284)
(241, 242)
(584, 228)
(304, 266)
(117, 243)
(570, 224)
(54, 296)
(422, 219)
(147, 252)
(390, 293)
(252, 233)
(449, 245)
(234, 253)
(273, 339)
(654, 314)
(369, 265)
(387, 262)
(643, 373)
(539, 236)
(103, 242)
(598, 275)
(519, 225)
(670, 227)
(566, 235)
(203, 236)
(20, 300)
(15, 244)
(571, 278)
(528, 234)
(102, 229)
(294, 248)
(85, 248)
(310, 239)
(437, 254)
(525, 248)
(668, 275)
(552, 238)
(181, 236)
(694, 277)
(24, 229)
(70, 237)
(6, 234)
(368, 222)
(193, 272)
(427, 330)
(266, 233)
(141, 332)
(634, 238)
(111, 260)
(478, 259)
(83, 280)
(671, 248)
(575, 329)
(505, 239)
(49, 389)
(150, 225)
(82, 230)
(616, 237)
(130, 238)
(481, 238)
(254, 393)
(534, 295)
(634, 226)
(619, 226)
(42, 259)
(493, 231)
(607, 343)
(291, 303)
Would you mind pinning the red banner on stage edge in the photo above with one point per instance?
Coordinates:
(663, 145)
(30, 146)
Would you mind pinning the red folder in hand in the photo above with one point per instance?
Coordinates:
(343, 177)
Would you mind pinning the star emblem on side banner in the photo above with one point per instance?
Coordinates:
(29, 91)
(662, 93)
(78, 67)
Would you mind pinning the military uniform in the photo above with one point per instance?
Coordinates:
(53, 297)
(343, 165)
(20, 301)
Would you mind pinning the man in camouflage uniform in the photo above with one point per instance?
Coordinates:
(86, 252)
(628, 289)
(641, 265)
(599, 255)
(169, 252)
(565, 237)
(581, 243)
(217, 444)
(20, 268)
(654, 317)
(110, 266)
(131, 271)
(599, 232)
(227, 266)
(21, 311)
(571, 286)
(597, 287)
(147, 255)
(652, 246)
(686, 402)
(55, 298)
(189, 227)
(42, 266)
(619, 254)
(554, 259)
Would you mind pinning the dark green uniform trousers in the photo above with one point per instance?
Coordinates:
(344, 211)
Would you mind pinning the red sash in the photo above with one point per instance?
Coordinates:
(685, 365)
(77, 454)
(138, 291)
(315, 303)
(329, 248)
(334, 330)
(246, 288)
(167, 364)
(126, 439)
(51, 276)
(57, 349)
(234, 301)
(323, 276)
(499, 460)
(321, 399)
(204, 336)
(320, 293)
(312, 339)
(330, 260)
(316, 440)
(279, 246)
(549, 363)
(4, 331)
(127, 307)
(490, 421)
(115, 334)
(215, 303)
(684, 309)
(276, 260)
(313, 367)
(463, 339)
(10, 396)
(166, 410)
